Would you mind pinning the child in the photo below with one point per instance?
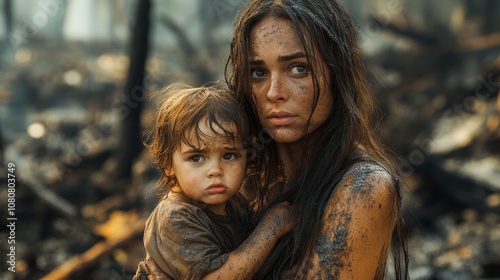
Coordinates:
(199, 227)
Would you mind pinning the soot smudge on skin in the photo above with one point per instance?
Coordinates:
(268, 35)
(304, 89)
(363, 183)
(332, 250)
(332, 246)
(358, 183)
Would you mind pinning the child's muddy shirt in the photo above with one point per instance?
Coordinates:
(188, 242)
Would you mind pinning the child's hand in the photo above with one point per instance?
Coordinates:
(280, 218)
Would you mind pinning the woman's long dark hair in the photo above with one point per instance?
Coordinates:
(333, 40)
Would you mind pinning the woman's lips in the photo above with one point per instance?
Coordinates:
(280, 118)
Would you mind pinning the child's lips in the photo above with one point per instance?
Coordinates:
(216, 188)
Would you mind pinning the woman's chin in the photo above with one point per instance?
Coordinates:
(285, 136)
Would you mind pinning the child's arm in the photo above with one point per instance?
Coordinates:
(246, 260)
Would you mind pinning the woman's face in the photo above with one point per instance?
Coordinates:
(282, 84)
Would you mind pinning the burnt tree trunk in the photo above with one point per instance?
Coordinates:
(491, 18)
(192, 56)
(7, 9)
(485, 13)
(5, 49)
(130, 144)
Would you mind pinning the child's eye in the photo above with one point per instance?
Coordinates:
(257, 73)
(230, 156)
(299, 69)
(196, 158)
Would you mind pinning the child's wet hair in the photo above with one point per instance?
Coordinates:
(181, 109)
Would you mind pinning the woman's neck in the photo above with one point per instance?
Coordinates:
(292, 154)
(291, 158)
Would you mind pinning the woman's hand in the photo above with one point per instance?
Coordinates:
(148, 270)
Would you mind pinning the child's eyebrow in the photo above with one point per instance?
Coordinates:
(232, 148)
(193, 150)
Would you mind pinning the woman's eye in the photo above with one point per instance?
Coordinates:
(196, 158)
(229, 156)
(299, 69)
(258, 73)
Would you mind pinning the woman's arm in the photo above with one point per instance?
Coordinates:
(246, 260)
(359, 217)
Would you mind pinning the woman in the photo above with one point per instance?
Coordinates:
(296, 69)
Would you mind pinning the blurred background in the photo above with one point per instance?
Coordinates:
(75, 84)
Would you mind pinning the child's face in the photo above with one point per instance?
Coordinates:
(213, 172)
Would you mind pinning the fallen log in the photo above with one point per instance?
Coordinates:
(81, 263)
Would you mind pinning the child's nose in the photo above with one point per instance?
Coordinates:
(215, 169)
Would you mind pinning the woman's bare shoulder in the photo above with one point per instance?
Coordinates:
(357, 224)
(366, 177)
(365, 187)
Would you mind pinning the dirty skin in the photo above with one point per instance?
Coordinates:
(333, 245)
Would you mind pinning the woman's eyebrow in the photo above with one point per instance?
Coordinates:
(257, 62)
(292, 56)
(281, 58)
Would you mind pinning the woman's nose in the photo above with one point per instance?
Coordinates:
(277, 90)
(215, 169)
